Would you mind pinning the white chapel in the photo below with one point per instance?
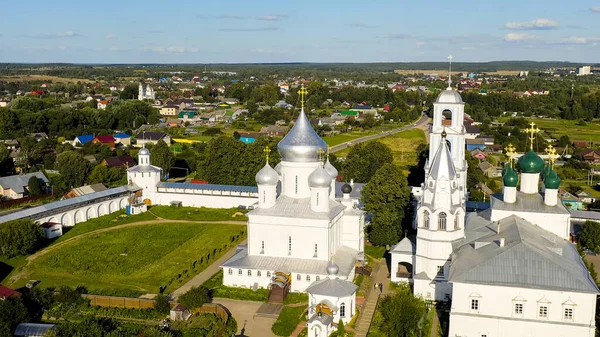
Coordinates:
(508, 271)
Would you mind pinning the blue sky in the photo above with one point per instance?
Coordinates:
(200, 31)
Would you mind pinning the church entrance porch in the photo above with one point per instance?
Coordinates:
(404, 270)
(279, 287)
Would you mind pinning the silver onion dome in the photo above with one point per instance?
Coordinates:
(449, 96)
(332, 268)
(278, 168)
(333, 172)
(267, 176)
(302, 143)
(319, 178)
(144, 151)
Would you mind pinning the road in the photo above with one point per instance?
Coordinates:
(420, 123)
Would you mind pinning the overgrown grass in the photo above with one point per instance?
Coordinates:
(215, 284)
(199, 214)
(142, 258)
(288, 320)
(375, 252)
(293, 298)
(105, 221)
(359, 279)
(577, 131)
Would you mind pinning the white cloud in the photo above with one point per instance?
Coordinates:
(512, 37)
(65, 34)
(109, 37)
(595, 9)
(420, 44)
(537, 24)
(276, 17)
(573, 40)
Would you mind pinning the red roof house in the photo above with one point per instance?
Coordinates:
(6, 292)
(107, 140)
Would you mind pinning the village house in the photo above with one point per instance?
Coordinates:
(489, 170)
(273, 131)
(591, 156)
(106, 140)
(17, 186)
(6, 292)
(125, 161)
(38, 136)
(80, 140)
(151, 138)
(83, 190)
(102, 104)
(170, 110)
(123, 139)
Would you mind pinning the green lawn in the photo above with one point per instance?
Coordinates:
(404, 146)
(215, 283)
(288, 320)
(375, 252)
(135, 258)
(199, 214)
(344, 137)
(105, 221)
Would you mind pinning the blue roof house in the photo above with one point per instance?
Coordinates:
(80, 140)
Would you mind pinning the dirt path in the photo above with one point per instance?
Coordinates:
(51, 248)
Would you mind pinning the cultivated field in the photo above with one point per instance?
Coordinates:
(588, 131)
(141, 258)
(444, 72)
(46, 78)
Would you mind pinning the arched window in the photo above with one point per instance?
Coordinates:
(239, 272)
(457, 221)
(230, 271)
(249, 272)
(318, 278)
(426, 219)
(298, 277)
(268, 274)
(258, 273)
(442, 221)
(343, 310)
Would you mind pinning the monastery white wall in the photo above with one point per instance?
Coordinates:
(246, 278)
(351, 225)
(558, 224)
(496, 316)
(84, 213)
(200, 200)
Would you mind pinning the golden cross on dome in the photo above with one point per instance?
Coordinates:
(267, 150)
(552, 155)
(532, 132)
(302, 92)
(511, 152)
(320, 152)
(328, 150)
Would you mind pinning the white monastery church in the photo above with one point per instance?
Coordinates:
(509, 271)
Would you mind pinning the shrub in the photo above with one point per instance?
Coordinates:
(288, 320)
(195, 297)
(161, 304)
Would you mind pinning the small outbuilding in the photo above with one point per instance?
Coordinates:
(34, 329)
(51, 229)
(180, 313)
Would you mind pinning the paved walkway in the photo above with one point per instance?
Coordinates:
(380, 275)
(206, 273)
(243, 312)
(419, 124)
(299, 329)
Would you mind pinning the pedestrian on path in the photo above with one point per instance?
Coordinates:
(381, 288)
(375, 285)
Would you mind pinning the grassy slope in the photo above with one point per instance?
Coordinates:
(156, 254)
(560, 127)
(199, 214)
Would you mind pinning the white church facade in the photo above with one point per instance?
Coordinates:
(509, 270)
(146, 93)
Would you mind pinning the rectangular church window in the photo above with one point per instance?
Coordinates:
(474, 305)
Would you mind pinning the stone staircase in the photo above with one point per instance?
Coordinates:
(368, 308)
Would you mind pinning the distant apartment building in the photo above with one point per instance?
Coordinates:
(584, 70)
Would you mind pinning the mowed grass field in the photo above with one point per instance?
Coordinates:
(404, 146)
(345, 137)
(560, 127)
(141, 258)
(53, 79)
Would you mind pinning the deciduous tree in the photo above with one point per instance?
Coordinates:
(34, 186)
(365, 159)
(589, 237)
(162, 156)
(401, 313)
(73, 168)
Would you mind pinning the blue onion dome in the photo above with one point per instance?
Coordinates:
(267, 176)
(302, 143)
(531, 163)
(552, 181)
(346, 188)
(333, 172)
(332, 268)
(319, 178)
(510, 177)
